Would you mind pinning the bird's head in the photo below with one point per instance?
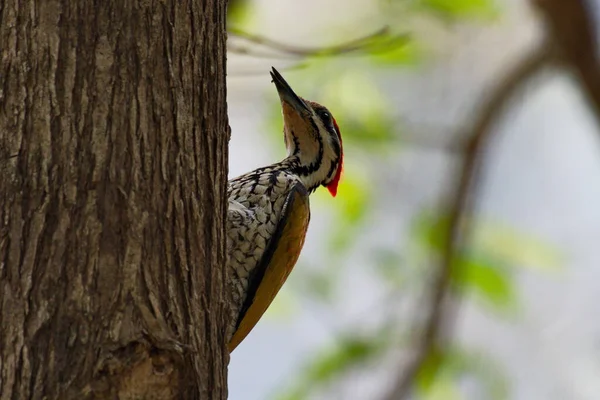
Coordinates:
(312, 137)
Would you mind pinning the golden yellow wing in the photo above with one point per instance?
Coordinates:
(277, 262)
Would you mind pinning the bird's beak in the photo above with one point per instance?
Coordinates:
(287, 95)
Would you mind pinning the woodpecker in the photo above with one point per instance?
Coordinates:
(269, 210)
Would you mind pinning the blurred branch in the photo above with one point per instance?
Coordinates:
(380, 40)
(439, 305)
(239, 73)
(571, 25)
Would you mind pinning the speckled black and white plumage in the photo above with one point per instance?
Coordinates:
(256, 201)
(269, 210)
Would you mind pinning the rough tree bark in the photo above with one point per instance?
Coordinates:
(113, 165)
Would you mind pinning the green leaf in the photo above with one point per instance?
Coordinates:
(444, 388)
(332, 363)
(361, 110)
(492, 241)
(349, 208)
(407, 54)
(433, 380)
(431, 231)
(430, 369)
(348, 353)
(480, 269)
(372, 132)
(353, 198)
(443, 372)
(240, 13)
(460, 8)
(517, 248)
(463, 362)
(392, 48)
(488, 281)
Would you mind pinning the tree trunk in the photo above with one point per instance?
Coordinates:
(113, 170)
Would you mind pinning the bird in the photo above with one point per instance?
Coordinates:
(269, 210)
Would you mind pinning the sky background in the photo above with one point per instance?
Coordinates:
(541, 179)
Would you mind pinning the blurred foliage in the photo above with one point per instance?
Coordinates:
(333, 363)
(485, 270)
(240, 13)
(383, 45)
(437, 379)
(351, 210)
(496, 240)
(361, 109)
(458, 9)
(388, 266)
(504, 242)
(349, 213)
(489, 281)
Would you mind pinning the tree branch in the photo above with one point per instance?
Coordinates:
(572, 27)
(380, 40)
(439, 306)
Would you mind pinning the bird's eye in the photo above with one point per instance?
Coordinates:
(325, 116)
